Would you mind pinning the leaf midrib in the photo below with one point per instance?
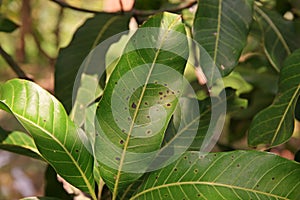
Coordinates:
(63, 147)
(293, 98)
(193, 183)
(126, 143)
(274, 28)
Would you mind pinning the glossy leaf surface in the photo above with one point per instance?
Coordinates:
(56, 136)
(18, 142)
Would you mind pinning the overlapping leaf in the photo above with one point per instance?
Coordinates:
(275, 124)
(18, 142)
(232, 175)
(204, 122)
(279, 36)
(86, 38)
(55, 135)
(139, 100)
(221, 27)
(6, 25)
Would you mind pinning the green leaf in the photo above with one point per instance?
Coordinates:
(55, 135)
(279, 36)
(275, 124)
(139, 100)
(206, 123)
(18, 142)
(231, 175)
(54, 188)
(221, 27)
(87, 37)
(6, 25)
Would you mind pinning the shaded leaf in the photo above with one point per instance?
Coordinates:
(275, 124)
(221, 27)
(18, 142)
(55, 135)
(6, 25)
(87, 37)
(232, 175)
(138, 100)
(54, 188)
(279, 36)
(205, 123)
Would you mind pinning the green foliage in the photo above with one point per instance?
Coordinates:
(136, 131)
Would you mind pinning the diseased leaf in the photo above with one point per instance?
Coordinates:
(55, 135)
(231, 175)
(221, 27)
(275, 124)
(18, 142)
(139, 100)
(87, 37)
(205, 123)
(279, 36)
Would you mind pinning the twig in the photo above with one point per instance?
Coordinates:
(121, 6)
(133, 11)
(15, 67)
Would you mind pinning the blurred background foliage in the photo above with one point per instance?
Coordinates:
(42, 27)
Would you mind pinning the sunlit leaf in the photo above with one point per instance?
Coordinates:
(55, 135)
(275, 124)
(221, 27)
(87, 37)
(18, 142)
(279, 36)
(232, 175)
(139, 100)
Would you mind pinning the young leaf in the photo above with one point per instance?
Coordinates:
(231, 175)
(279, 36)
(139, 100)
(86, 38)
(275, 124)
(221, 27)
(55, 135)
(18, 142)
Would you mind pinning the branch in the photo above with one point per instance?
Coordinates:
(133, 11)
(15, 67)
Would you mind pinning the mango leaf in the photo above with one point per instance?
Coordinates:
(6, 25)
(275, 124)
(221, 27)
(205, 123)
(54, 188)
(231, 175)
(55, 135)
(87, 37)
(279, 36)
(139, 100)
(18, 142)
